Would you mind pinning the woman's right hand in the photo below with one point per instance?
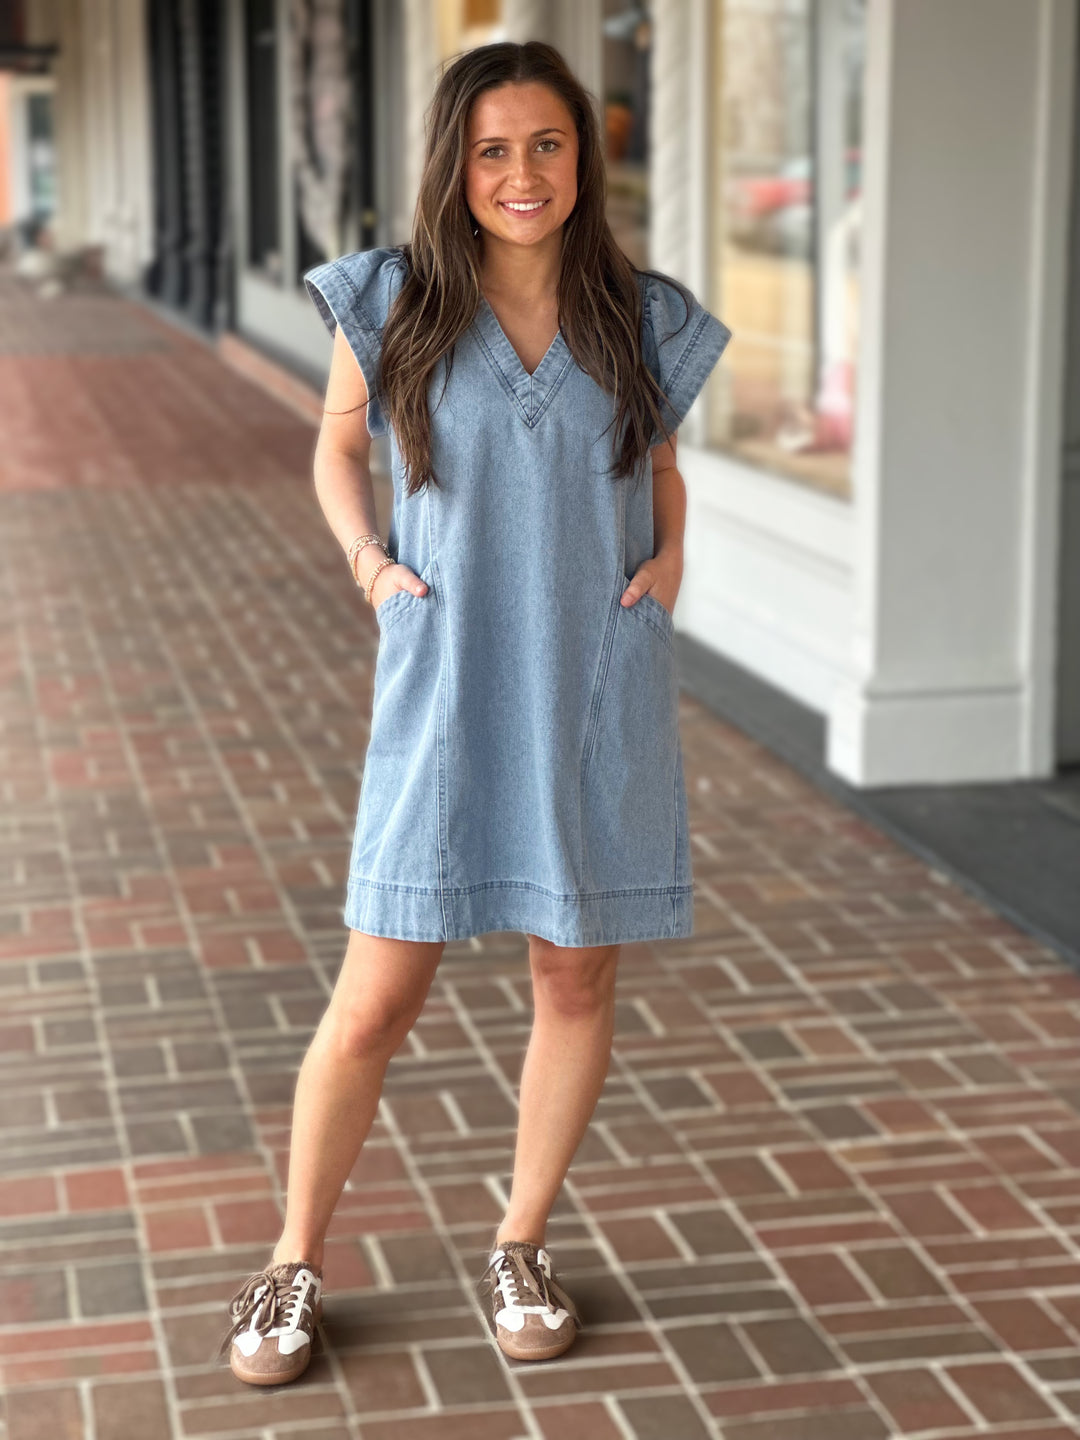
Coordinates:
(395, 577)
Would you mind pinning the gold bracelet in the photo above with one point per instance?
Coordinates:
(353, 566)
(357, 546)
(356, 575)
(354, 546)
(371, 581)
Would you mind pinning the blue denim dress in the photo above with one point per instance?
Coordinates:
(524, 770)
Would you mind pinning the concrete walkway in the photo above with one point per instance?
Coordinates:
(832, 1190)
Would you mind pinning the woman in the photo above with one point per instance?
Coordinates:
(524, 770)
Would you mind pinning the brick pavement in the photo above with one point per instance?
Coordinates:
(832, 1189)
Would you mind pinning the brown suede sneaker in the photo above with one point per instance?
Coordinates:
(274, 1315)
(530, 1313)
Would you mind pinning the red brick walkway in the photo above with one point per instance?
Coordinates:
(832, 1190)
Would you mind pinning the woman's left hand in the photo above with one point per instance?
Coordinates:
(660, 577)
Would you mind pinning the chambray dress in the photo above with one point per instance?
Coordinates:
(524, 770)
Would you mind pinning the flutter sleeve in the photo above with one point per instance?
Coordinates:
(356, 292)
(681, 343)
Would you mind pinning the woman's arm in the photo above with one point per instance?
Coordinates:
(661, 576)
(342, 469)
(669, 500)
(342, 453)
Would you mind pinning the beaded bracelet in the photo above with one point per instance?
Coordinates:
(355, 548)
(381, 566)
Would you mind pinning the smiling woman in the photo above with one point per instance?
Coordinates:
(529, 166)
(524, 770)
(520, 187)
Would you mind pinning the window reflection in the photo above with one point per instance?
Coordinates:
(627, 48)
(787, 131)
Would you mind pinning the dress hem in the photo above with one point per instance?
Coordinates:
(611, 917)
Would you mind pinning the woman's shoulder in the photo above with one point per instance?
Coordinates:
(673, 319)
(380, 266)
(681, 340)
(365, 280)
(664, 300)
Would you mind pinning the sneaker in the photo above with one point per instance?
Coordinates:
(531, 1314)
(274, 1314)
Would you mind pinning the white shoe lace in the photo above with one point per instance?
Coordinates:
(268, 1304)
(508, 1280)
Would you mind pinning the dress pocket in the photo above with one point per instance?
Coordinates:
(654, 613)
(399, 601)
(396, 841)
(630, 785)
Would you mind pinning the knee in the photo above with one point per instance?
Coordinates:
(574, 984)
(357, 1029)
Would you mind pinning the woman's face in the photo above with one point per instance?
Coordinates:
(522, 147)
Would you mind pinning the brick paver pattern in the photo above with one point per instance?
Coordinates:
(832, 1188)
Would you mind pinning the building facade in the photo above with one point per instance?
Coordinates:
(877, 196)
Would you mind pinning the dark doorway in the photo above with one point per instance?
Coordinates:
(192, 265)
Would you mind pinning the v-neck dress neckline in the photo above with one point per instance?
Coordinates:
(531, 394)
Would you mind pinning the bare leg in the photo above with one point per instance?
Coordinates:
(562, 1077)
(378, 996)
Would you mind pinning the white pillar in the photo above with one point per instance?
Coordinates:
(134, 241)
(421, 74)
(680, 143)
(956, 465)
(572, 26)
(527, 20)
(72, 198)
(99, 150)
(59, 22)
(103, 132)
(670, 176)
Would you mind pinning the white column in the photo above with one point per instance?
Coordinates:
(670, 177)
(956, 465)
(99, 150)
(103, 128)
(132, 246)
(72, 197)
(527, 20)
(421, 73)
(679, 147)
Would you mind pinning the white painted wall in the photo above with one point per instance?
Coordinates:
(1068, 657)
(920, 617)
(956, 475)
(103, 127)
(767, 578)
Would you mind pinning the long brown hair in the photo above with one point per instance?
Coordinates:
(599, 301)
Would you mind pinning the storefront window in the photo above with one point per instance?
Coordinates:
(627, 31)
(787, 127)
(40, 155)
